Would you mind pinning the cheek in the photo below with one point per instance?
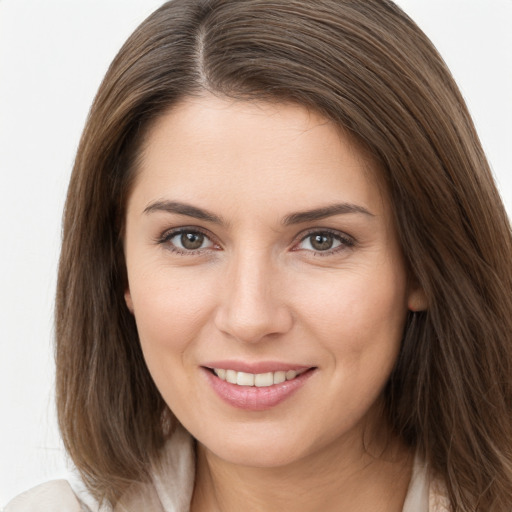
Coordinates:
(170, 309)
(355, 299)
(357, 314)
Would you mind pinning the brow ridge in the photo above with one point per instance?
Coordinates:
(315, 214)
(324, 212)
(183, 209)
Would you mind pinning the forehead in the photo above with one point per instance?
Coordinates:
(270, 152)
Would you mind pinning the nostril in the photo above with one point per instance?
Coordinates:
(252, 325)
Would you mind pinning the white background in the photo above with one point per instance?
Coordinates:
(53, 55)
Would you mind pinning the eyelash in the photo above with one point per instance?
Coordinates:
(166, 237)
(346, 242)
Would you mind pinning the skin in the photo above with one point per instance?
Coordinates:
(257, 290)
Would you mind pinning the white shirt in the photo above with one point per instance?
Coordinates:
(172, 486)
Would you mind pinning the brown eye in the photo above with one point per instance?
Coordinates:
(325, 241)
(192, 241)
(185, 241)
(322, 241)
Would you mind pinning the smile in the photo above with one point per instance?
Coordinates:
(266, 386)
(259, 380)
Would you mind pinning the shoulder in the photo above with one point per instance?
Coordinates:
(170, 487)
(53, 496)
(427, 492)
(438, 496)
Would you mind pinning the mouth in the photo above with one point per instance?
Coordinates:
(259, 380)
(258, 390)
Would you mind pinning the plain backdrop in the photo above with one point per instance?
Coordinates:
(53, 55)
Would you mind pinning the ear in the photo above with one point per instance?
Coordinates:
(128, 300)
(417, 300)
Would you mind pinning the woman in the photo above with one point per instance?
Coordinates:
(285, 279)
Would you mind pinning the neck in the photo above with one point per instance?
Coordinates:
(344, 476)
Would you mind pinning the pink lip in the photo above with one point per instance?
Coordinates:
(251, 398)
(256, 367)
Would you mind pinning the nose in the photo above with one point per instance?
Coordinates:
(251, 304)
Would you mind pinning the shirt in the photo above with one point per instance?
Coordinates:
(173, 483)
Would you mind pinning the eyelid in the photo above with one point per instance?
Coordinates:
(347, 241)
(165, 237)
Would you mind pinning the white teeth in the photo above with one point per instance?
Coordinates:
(279, 377)
(263, 380)
(260, 380)
(231, 376)
(291, 374)
(245, 379)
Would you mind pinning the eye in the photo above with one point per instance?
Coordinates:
(325, 242)
(187, 240)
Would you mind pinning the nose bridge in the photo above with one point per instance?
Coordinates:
(252, 305)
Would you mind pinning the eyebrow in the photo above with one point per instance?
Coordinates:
(324, 212)
(293, 218)
(183, 209)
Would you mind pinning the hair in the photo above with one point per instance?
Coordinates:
(367, 67)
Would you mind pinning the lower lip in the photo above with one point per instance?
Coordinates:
(252, 398)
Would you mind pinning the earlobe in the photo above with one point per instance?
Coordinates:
(417, 300)
(128, 300)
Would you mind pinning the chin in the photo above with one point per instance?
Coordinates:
(258, 456)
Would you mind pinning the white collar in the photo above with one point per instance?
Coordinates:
(174, 478)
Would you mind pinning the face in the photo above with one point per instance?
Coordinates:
(265, 277)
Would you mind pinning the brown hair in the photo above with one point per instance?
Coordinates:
(369, 68)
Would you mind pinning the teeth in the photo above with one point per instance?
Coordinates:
(260, 380)
(245, 379)
(263, 380)
(221, 373)
(291, 374)
(279, 377)
(231, 376)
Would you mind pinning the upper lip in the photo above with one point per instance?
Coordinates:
(256, 366)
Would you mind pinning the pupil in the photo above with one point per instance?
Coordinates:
(322, 242)
(192, 240)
